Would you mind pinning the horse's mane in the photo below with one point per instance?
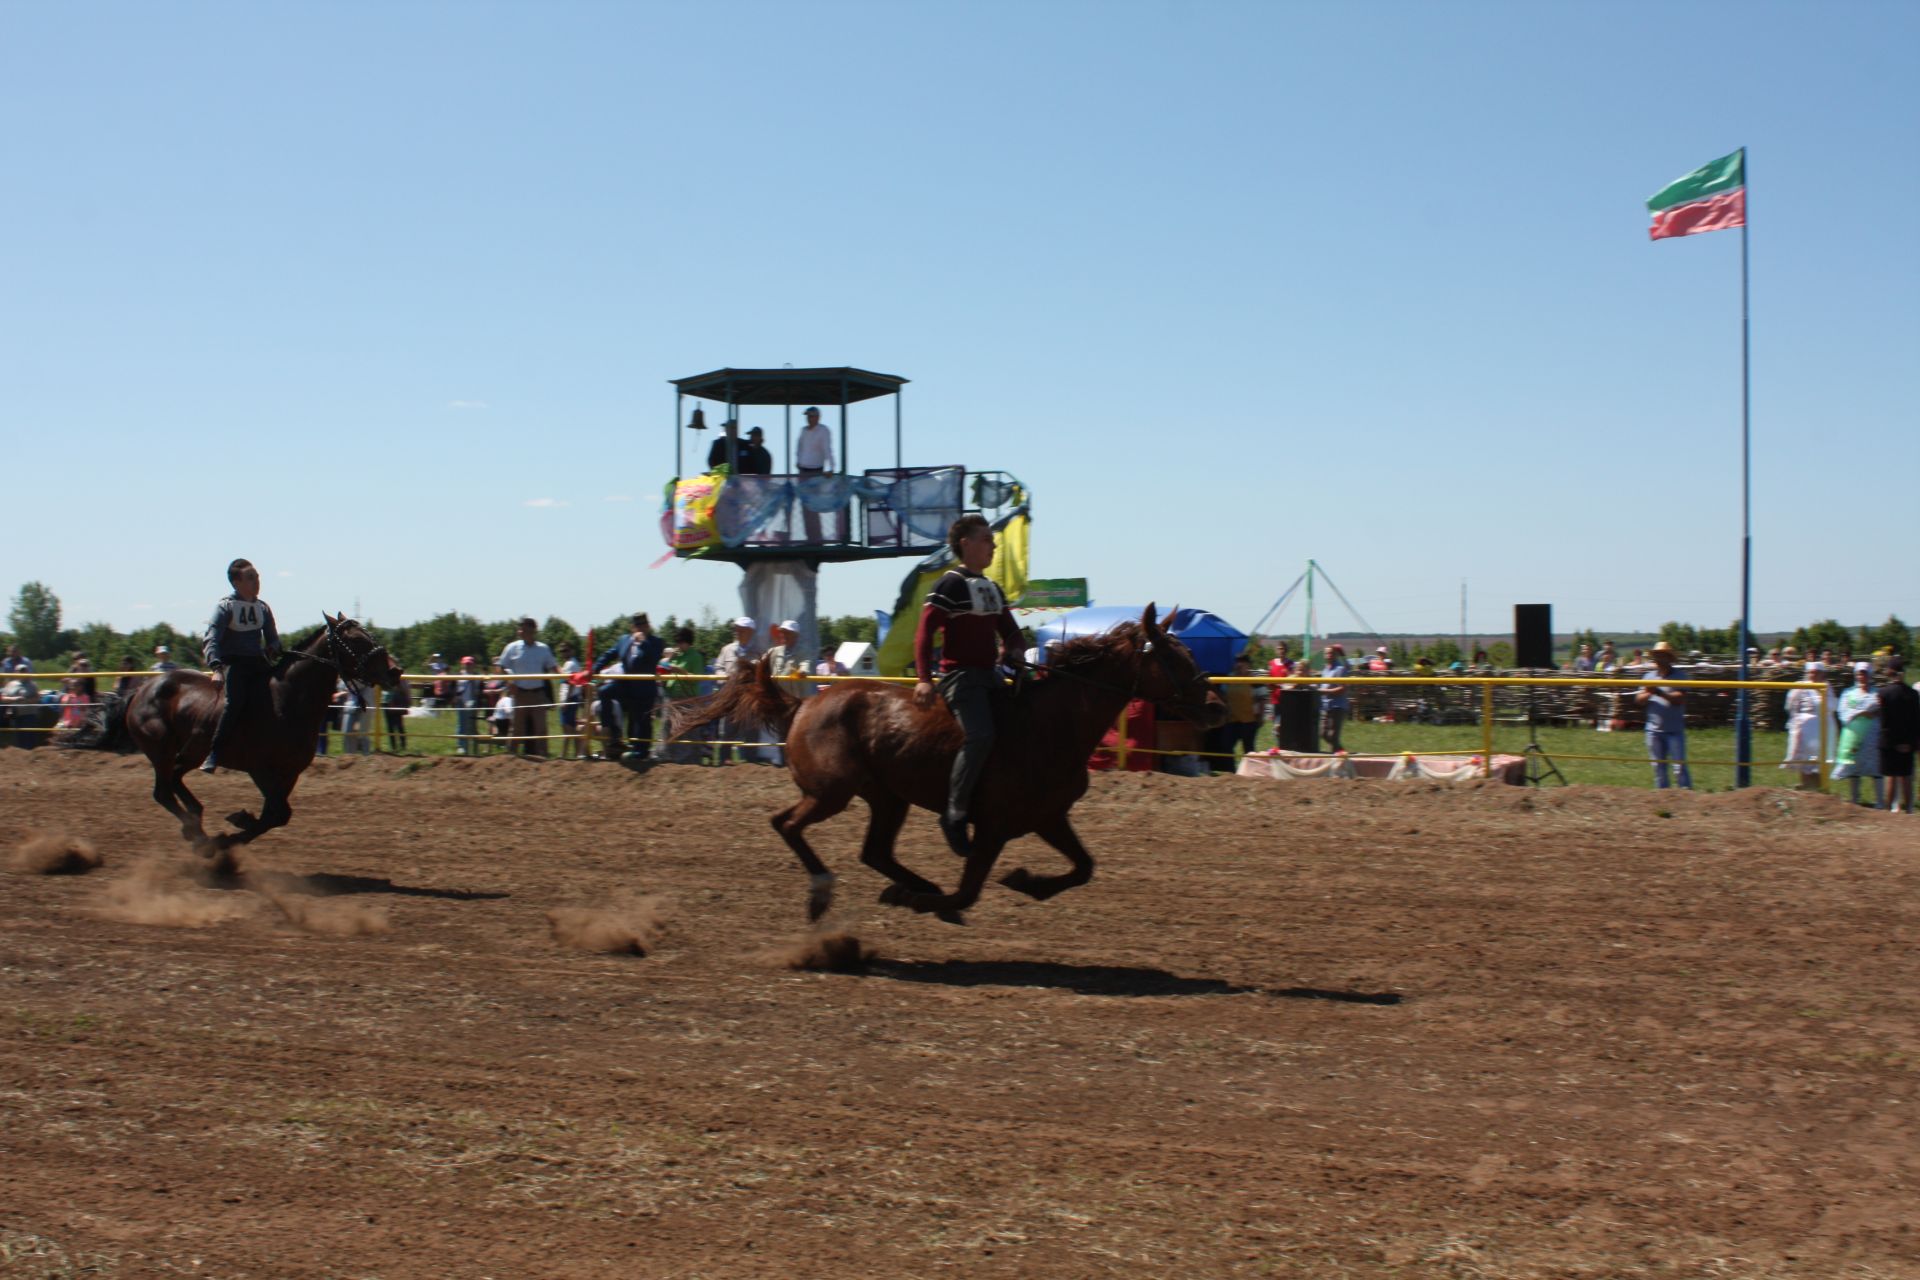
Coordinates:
(302, 643)
(1084, 651)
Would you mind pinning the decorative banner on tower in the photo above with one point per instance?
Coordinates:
(1711, 198)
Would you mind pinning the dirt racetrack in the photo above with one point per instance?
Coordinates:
(1291, 1029)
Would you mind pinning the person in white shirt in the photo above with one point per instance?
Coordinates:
(812, 456)
(522, 660)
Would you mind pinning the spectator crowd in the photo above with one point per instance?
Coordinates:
(535, 699)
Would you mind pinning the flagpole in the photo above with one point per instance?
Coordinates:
(1743, 724)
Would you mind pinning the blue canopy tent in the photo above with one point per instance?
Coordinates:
(1215, 642)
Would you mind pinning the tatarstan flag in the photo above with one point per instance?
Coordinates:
(1711, 198)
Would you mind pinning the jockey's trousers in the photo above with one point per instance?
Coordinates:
(969, 693)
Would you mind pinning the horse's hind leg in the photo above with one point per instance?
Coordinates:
(171, 794)
(1061, 835)
(794, 819)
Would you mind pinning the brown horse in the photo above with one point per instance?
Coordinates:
(872, 741)
(171, 718)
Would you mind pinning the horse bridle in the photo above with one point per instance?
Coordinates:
(357, 673)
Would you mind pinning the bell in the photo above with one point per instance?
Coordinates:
(699, 420)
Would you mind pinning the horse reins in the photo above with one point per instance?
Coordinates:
(1195, 710)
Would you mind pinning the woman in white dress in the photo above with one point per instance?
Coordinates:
(1803, 731)
(1859, 753)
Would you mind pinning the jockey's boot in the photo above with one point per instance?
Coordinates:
(954, 827)
(208, 765)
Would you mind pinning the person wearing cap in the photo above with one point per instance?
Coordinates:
(1899, 734)
(163, 659)
(241, 646)
(812, 458)
(967, 608)
(523, 661)
(438, 691)
(787, 659)
(638, 653)
(469, 700)
(1666, 721)
(1858, 755)
(19, 666)
(754, 458)
(735, 657)
(725, 452)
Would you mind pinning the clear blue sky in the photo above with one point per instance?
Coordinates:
(386, 296)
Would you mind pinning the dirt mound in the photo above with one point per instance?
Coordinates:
(54, 855)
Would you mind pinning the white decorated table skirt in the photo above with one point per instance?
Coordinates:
(1284, 765)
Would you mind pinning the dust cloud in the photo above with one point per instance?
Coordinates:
(331, 917)
(625, 926)
(828, 952)
(54, 855)
(162, 891)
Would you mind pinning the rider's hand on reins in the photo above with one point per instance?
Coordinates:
(923, 694)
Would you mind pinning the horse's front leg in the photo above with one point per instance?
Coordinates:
(889, 814)
(274, 812)
(1060, 834)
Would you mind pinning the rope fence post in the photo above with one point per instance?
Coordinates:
(586, 701)
(1826, 690)
(1120, 742)
(1486, 728)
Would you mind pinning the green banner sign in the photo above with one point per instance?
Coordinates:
(1054, 593)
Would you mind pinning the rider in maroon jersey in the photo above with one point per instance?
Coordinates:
(969, 608)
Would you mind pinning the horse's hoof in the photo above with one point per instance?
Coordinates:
(1020, 880)
(243, 820)
(896, 895)
(951, 917)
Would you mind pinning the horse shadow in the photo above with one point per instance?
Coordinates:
(1098, 980)
(327, 884)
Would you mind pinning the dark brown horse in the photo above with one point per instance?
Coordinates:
(171, 719)
(870, 740)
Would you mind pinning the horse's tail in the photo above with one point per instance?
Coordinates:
(105, 728)
(749, 700)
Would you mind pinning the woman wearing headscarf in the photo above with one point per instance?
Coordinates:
(1859, 753)
(1803, 731)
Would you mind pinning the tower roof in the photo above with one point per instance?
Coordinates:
(790, 386)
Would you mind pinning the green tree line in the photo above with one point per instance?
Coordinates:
(34, 623)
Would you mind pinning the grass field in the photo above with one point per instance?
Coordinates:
(432, 735)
